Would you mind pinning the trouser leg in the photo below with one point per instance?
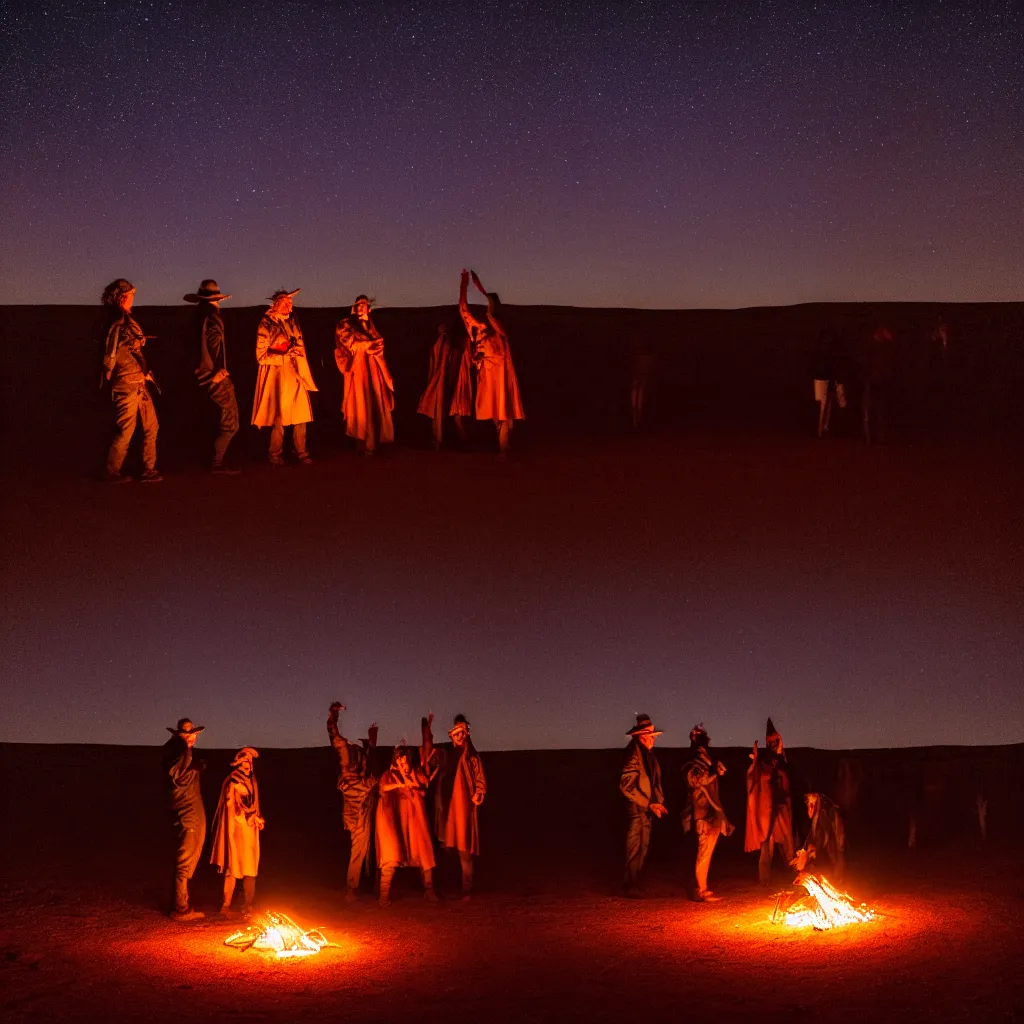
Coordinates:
(126, 411)
(299, 439)
(764, 863)
(360, 845)
(466, 863)
(387, 874)
(707, 837)
(460, 428)
(229, 892)
(436, 427)
(638, 835)
(249, 887)
(150, 426)
(223, 396)
(277, 442)
(428, 883)
(504, 428)
(190, 846)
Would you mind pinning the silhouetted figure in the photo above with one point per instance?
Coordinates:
(769, 805)
(829, 388)
(826, 836)
(940, 382)
(124, 366)
(642, 362)
(369, 395)
(461, 788)
(879, 377)
(403, 831)
(212, 372)
(237, 824)
(449, 388)
(357, 784)
(704, 812)
(185, 800)
(283, 382)
(640, 784)
(497, 389)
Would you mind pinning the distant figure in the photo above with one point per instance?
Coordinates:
(237, 824)
(704, 812)
(497, 389)
(283, 382)
(461, 789)
(829, 389)
(185, 799)
(879, 376)
(403, 831)
(124, 366)
(212, 372)
(369, 395)
(940, 379)
(448, 375)
(642, 362)
(769, 805)
(358, 786)
(826, 836)
(640, 784)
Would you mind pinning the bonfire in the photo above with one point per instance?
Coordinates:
(273, 931)
(820, 906)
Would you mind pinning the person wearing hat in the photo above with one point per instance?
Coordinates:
(357, 784)
(497, 387)
(212, 372)
(769, 806)
(125, 369)
(640, 784)
(237, 824)
(283, 382)
(185, 799)
(449, 373)
(369, 392)
(461, 789)
(704, 812)
(402, 829)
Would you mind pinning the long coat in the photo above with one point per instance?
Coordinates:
(284, 381)
(769, 806)
(369, 394)
(403, 831)
(497, 387)
(450, 372)
(640, 782)
(236, 837)
(460, 778)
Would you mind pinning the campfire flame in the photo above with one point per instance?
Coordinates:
(821, 907)
(278, 932)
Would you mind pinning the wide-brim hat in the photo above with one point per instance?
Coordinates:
(643, 725)
(206, 292)
(283, 293)
(180, 730)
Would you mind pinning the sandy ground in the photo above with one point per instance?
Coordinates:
(945, 945)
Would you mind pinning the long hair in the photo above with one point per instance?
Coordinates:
(114, 291)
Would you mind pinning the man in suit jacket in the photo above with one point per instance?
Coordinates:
(640, 784)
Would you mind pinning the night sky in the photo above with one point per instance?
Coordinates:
(634, 154)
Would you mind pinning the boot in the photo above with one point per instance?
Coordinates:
(249, 887)
(387, 873)
(466, 862)
(229, 892)
(182, 912)
(428, 886)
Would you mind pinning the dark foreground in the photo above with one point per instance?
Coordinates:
(945, 946)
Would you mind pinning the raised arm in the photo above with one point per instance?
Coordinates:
(472, 324)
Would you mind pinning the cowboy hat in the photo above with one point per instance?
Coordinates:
(206, 292)
(282, 293)
(181, 730)
(643, 725)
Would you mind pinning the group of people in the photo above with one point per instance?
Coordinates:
(386, 806)
(769, 818)
(470, 377)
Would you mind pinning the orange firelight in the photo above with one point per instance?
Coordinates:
(821, 907)
(277, 932)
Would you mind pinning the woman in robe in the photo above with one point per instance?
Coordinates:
(237, 824)
(449, 374)
(497, 389)
(403, 830)
(369, 395)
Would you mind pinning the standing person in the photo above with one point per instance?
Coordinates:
(826, 835)
(403, 832)
(212, 372)
(704, 811)
(641, 366)
(284, 382)
(185, 799)
(769, 805)
(824, 370)
(124, 366)
(448, 374)
(237, 824)
(497, 389)
(879, 378)
(369, 394)
(640, 784)
(357, 784)
(461, 790)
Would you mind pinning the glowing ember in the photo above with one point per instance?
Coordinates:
(277, 932)
(821, 907)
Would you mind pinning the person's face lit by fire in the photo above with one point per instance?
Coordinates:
(458, 735)
(187, 734)
(126, 300)
(363, 309)
(282, 306)
(648, 738)
(402, 763)
(812, 802)
(774, 745)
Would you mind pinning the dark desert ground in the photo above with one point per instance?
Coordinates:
(724, 509)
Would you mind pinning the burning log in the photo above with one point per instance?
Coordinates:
(820, 906)
(277, 932)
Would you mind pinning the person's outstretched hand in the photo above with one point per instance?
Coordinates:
(476, 281)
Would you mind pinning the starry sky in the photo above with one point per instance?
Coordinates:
(621, 154)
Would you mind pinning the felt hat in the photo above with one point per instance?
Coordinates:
(185, 727)
(699, 735)
(281, 293)
(643, 725)
(206, 292)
